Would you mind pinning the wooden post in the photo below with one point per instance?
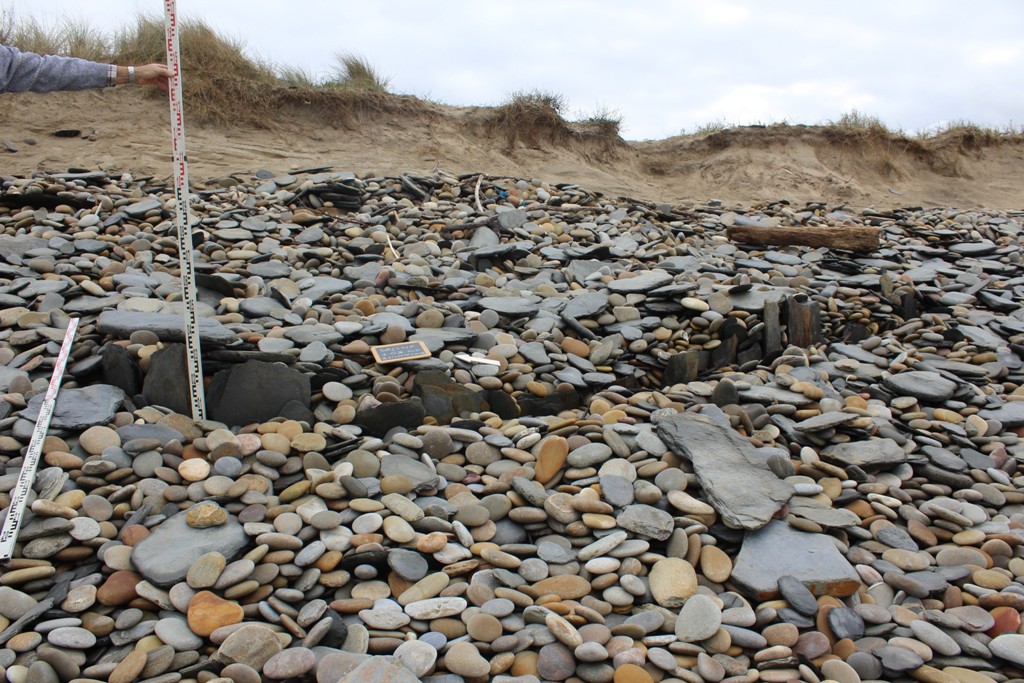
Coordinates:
(804, 321)
(772, 328)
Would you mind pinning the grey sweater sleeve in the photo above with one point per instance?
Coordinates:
(25, 71)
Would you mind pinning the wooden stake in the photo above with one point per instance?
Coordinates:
(772, 328)
(803, 324)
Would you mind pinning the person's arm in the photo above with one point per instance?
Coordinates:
(26, 71)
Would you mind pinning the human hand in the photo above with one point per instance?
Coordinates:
(153, 74)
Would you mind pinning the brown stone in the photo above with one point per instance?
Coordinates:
(207, 612)
(97, 624)
(991, 578)
(672, 581)
(781, 634)
(715, 564)
(861, 508)
(551, 455)
(483, 627)
(964, 675)
(134, 533)
(118, 589)
(432, 542)
(922, 534)
(1007, 621)
(128, 668)
(351, 605)
(251, 644)
(631, 673)
(568, 587)
(929, 674)
(205, 515)
(844, 648)
(1014, 600)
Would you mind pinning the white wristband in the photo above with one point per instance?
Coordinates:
(131, 75)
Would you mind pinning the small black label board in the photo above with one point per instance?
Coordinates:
(394, 353)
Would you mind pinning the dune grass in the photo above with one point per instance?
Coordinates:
(858, 120)
(353, 71)
(224, 84)
(603, 121)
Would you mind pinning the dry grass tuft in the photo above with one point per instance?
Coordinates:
(83, 40)
(222, 83)
(296, 77)
(6, 27)
(341, 107)
(532, 118)
(711, 128)
(356, 73)
(856, 120)
(604, 122)
(963, 137)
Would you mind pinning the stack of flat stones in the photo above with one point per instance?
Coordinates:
(551, 495)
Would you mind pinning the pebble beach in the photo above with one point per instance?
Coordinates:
(637, 451)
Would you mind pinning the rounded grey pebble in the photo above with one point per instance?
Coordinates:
(74, 637)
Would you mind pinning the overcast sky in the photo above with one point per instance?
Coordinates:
(664, 66)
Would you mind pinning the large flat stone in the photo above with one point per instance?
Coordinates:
(734, 477)
(868, 454)
(779, 550)
(166, 326)
(78, 408)
(164, 557)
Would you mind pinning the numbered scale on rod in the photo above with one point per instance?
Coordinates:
(30, 463)
(181, 194)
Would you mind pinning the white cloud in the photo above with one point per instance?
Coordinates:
(723, 13)
(801, 102)
(995, 55)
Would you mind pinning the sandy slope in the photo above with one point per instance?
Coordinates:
(126, 130)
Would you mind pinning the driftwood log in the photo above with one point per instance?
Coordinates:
(847, 237)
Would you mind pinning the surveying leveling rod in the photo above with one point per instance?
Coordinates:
(181, 194)
(19, 495)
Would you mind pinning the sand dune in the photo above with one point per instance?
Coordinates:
(128, 131)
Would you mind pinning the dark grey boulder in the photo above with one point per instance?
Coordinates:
(255, 391)
(167, 381)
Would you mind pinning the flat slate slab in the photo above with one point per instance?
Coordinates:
(868, 454)
(824, 421)
(78, 408)
(779, 550)
(640, 283)
(734, 476)
(164, 557)
(166, 326)
(1010, 415)
(921, 384)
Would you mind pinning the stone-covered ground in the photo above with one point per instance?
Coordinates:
(637, 452)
